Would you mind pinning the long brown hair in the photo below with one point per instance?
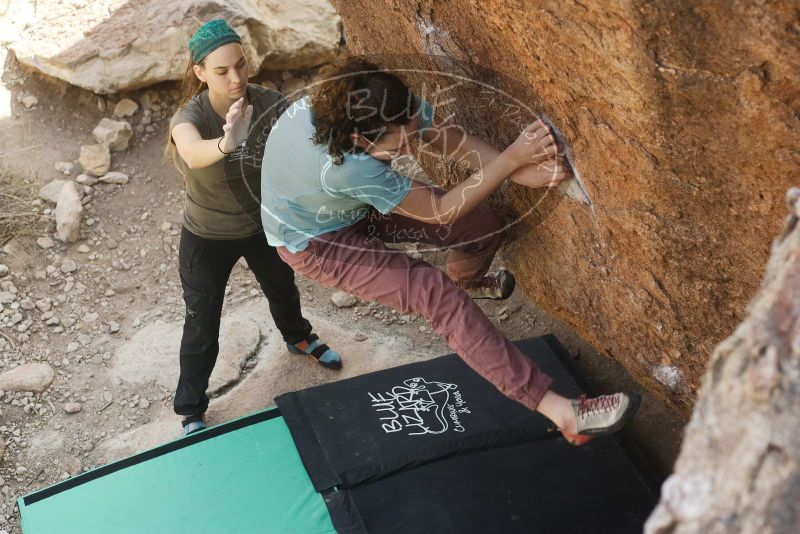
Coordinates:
(190, 86)
(357, 97)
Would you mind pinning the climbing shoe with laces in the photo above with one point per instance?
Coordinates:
(602, 415)
(496, 285)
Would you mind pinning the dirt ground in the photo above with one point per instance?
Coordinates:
(127, 274)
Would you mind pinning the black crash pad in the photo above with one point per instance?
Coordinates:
(433, 447)
(370, 426)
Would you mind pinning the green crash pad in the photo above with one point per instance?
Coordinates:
(241, 476)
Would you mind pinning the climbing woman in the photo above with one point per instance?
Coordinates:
(330, 202)
(207, 131)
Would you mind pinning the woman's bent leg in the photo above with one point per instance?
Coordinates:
(349, 260)
(472, 241)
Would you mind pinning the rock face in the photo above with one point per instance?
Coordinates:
(117, 45)
(739, 467)
(654, 252)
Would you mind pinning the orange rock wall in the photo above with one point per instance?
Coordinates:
(684, 122)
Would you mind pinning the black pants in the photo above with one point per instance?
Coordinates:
(205, 266)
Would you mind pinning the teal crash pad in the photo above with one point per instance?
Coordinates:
(241, 476)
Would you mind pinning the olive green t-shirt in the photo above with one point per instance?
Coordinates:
(221, 201)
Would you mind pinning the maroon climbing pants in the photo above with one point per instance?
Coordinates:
(356, 260)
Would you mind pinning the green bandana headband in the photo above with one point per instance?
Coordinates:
(209, 37)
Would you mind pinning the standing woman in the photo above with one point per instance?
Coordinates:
(208, 131)
(330, 202)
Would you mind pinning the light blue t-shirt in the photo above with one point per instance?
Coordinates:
(304, 194)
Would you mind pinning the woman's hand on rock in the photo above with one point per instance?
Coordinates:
(237, 124)
(548, 173)
(535, 144)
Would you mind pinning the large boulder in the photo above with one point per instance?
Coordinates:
(682, 120)
(739, 466)
(125, 44)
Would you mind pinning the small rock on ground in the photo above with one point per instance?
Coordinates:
(341, 299)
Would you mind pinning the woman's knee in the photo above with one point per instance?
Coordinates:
(433, 294)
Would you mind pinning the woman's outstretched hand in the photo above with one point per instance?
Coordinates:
(535, 144)
(237, 124)
(548, 173)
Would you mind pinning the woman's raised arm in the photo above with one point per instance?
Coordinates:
(198, 152)
(534, 145)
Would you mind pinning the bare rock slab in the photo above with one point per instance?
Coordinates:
(152, 353)
(144, 42)
(239, 341)
(276, 372)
